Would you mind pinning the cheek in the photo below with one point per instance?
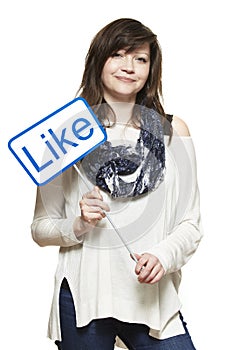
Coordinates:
(145, 73)
(144, 76)
(104, 75)
(110, 67)
(107, 70)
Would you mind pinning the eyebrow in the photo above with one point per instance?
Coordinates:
(136, 51)
(142, 52)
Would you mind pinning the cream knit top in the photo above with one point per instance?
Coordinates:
(99, 270)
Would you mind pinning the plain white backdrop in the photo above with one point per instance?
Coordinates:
(43, 47)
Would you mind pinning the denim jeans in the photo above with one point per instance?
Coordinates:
(100, 334)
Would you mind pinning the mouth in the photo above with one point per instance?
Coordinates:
(124, 79)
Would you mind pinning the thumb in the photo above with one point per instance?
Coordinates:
(136, 255)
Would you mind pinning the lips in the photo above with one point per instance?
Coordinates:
(125, 79)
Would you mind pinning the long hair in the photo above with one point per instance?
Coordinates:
(124, 33)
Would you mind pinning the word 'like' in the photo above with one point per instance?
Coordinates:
(56, 142)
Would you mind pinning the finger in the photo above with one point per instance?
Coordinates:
(91, 217)
(156, 274)
(92, 222)
(137, 256)
(158, 277)
(141, 264)
(144, 274)
(151, 263)
(95, 193)
(93, 204)
(153, 273)
(91, 213)
(97, 190)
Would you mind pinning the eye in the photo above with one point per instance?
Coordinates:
(117, 54)
(142, 59)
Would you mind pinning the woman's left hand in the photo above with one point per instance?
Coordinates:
(148, 268)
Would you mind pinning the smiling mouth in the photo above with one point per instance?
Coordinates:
(125, 79)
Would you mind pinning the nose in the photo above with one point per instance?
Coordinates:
(128, 65)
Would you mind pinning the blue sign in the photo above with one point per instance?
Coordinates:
(56, 142)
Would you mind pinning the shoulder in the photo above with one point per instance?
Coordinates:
(180, 127)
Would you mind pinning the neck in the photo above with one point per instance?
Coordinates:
(123, 111)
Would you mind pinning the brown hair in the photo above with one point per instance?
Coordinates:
(124, 33)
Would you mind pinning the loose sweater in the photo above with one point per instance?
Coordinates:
(98, 267)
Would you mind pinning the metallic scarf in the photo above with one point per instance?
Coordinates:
(108, 166)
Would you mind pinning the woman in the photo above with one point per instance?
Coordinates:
(144, 175)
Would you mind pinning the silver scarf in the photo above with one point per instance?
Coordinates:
(110, 167)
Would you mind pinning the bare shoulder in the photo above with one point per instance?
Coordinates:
(180, 127)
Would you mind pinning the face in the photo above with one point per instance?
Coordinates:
(125, 73)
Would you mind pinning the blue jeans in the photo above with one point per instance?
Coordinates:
(100, 334)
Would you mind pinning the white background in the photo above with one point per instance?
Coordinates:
(43, 46)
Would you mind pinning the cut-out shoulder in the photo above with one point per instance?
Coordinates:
(180, 127)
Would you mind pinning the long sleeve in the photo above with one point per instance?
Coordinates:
(55, 213)
(185, 231)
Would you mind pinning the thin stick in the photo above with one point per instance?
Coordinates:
(108, 217)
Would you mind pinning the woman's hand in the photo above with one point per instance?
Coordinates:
(148, 268)
(92, 207)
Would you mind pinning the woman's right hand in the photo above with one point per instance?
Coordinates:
(93, 207)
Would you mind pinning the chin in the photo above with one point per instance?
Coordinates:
(126, 94)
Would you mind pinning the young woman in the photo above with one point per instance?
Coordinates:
(144, 176)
